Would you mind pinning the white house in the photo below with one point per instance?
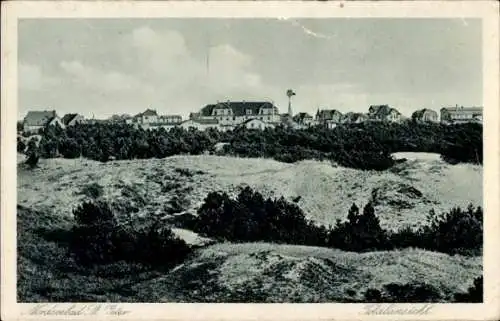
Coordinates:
(200, 124)
(256, 124)
(461, 114)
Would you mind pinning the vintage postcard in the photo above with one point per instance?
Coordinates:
(250, 160)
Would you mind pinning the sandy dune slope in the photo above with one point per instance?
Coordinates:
(403, 195)
(284, 273)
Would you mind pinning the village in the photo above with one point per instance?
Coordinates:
(229, 115)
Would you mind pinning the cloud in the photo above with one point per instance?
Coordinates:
(102, 80)
(31, 77)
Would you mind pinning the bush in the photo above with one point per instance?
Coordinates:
(98, 238)
(250, 217)
(365, 146)
(21, 145)
(455, 232)
(474, 293)
(404, 293)
(32, 154)
(93, 190)
(362, 232)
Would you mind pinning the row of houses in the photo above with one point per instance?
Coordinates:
(255, 115)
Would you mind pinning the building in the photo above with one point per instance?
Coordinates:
(233, 113)
(147, 117)
(72, 119)
(461, 114)
(36, 120)
(256, 124)
(150, 119)
(200, 124)
(304, 120)
(328, 117)
(354, 118)
(425, 115)
(383, 113)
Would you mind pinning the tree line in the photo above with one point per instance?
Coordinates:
(364, 146)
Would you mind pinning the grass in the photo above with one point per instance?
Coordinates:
(231, 272)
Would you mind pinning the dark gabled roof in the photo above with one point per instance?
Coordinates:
(68, 117)
(381, 110)
(149, 112)
(39, 118)
(301, 116)
(419, 113)
(238, 107)
(327, 113)
(353, 117)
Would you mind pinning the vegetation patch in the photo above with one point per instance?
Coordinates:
(250, 217)
(366, 146)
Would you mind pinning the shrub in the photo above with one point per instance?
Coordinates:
(474, 293)
(455, 232)
(414, 292)
(362, 232)
(98, 238)
(365, 146)
(21, 146)
(93, 190)
(250, 217)
(32, 154)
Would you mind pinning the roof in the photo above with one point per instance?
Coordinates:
(39, 118)
(352, 117)
(170, 116)
(301, 116)
(327, 113)
(381, 110)
(421, 112)
(147, 112)
(238, 107)
(463, 109)
(68, 118)
(202, 121)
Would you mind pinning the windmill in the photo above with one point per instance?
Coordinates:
(290, 93)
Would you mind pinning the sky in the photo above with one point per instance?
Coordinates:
(101, 67)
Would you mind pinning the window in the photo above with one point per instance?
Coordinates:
(268, 117)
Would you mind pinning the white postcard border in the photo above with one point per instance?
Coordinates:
(486, 10)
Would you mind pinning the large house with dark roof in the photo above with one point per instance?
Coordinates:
(425, 115)
(232, 113)
(328, 117)
(36, 120)
(304, 120)
(354, 118)
(384, 113)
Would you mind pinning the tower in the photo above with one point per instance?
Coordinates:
(290, 93)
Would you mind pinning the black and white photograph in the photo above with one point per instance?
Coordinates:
(250, 160)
